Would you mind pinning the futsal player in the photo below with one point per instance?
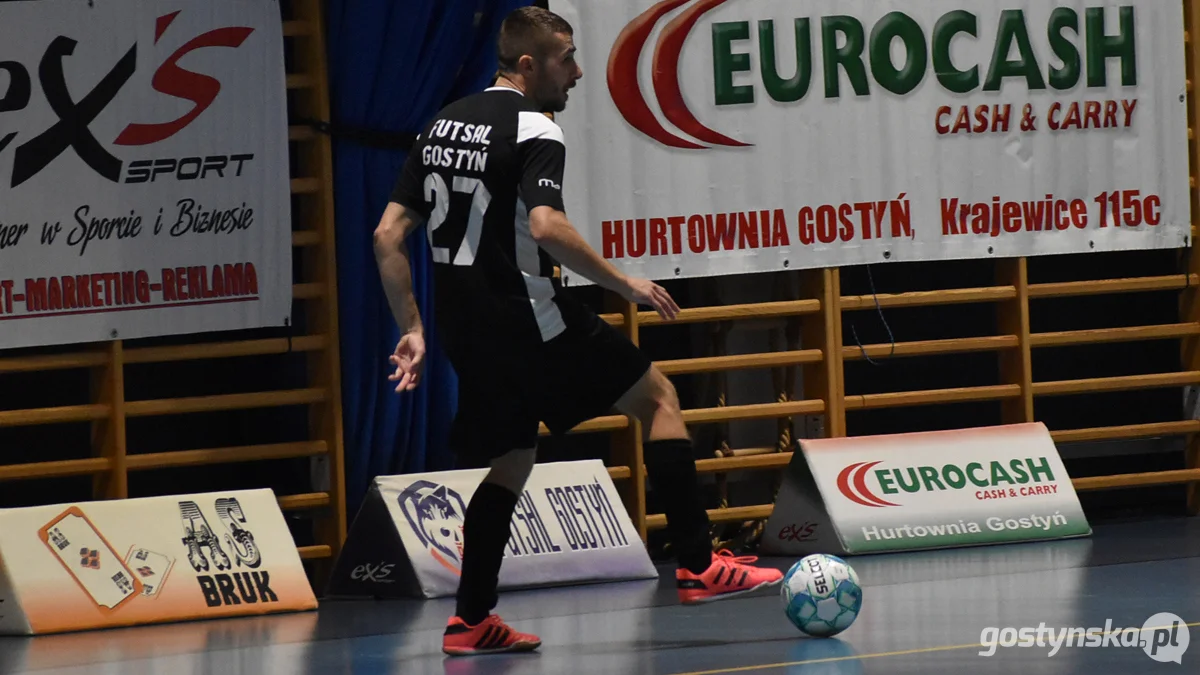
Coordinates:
(485, 177)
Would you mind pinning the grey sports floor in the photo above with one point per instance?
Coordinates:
(922, 613)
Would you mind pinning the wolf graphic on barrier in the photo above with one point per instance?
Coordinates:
(435, 513)
(197, 535)
(238, 538)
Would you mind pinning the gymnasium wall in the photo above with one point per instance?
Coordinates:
(215, 411)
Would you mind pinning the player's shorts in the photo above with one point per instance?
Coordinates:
(506, 388)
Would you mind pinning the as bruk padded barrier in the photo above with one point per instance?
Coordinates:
(92, 565)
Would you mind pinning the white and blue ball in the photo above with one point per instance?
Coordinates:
(821, 595)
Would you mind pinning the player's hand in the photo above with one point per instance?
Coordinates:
(409, 360)
(645, 292)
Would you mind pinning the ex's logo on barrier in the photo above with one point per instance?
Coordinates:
(378, 573)
(72, 130)
(799, 532)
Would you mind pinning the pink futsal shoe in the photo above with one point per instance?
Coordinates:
(728, 576)
(490, 636)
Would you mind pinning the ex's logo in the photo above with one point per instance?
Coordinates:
(377, 573)
(798, 532)
(626, 92)
(75, 116)
(435, 513)
(852, 482)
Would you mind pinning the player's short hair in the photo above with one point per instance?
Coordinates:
(528, 30)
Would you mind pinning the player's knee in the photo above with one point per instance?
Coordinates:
(666, 399)
(652, 400)
(660, 400)
(511, 470)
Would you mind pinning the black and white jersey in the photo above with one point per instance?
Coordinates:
(475, 173)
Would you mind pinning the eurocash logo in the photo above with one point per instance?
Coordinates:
(995, 480)
(965, 52)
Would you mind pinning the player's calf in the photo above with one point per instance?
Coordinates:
(486, 532)
(671, 470)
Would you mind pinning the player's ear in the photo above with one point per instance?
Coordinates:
(525, 65)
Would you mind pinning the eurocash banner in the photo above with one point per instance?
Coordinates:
(569, 527)
(127, 562)
(717, 137)
(925, 490)
(144, 176)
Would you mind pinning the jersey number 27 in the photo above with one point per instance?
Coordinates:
(435, 189)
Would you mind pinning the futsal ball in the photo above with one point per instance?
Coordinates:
(821, 595)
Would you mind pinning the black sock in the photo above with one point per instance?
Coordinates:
(671, 470)
(485, 533)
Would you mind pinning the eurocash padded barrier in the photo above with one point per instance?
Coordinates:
(938, 489)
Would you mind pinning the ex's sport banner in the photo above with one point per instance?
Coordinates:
(714, 137)
(144, 182)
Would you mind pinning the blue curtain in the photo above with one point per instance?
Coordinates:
(392, 65)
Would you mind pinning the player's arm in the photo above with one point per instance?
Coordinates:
(543, 164)
(395, 269)
(395, 272)
(553, 231)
